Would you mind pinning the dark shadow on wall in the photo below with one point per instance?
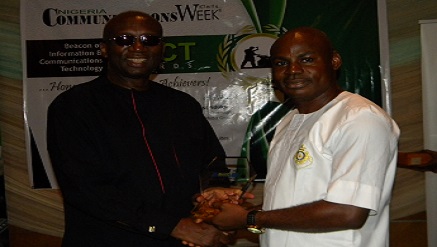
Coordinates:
(4, 232)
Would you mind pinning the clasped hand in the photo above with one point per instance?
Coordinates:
(209, 201)
(224, 208)
(208, 205)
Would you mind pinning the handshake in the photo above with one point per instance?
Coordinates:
(209, 202)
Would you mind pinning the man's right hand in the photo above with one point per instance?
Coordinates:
(200, 234)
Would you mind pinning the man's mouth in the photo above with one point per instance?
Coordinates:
(137, 60)
(295, 84)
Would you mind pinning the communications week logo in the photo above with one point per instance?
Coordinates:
(188, 12)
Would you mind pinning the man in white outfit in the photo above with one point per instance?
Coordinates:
(332, 161)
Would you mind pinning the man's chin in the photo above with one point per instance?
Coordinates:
(138, 75)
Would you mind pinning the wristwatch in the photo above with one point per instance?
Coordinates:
(251, 223)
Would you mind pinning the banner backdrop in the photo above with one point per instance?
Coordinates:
(216, 50)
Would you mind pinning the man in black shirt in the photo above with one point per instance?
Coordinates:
(127, 151)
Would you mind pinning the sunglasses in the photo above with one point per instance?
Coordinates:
(128, 40)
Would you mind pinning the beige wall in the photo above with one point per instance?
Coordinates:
(41, 210)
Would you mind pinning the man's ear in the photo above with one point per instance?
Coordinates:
(104, 49)
(336, 60)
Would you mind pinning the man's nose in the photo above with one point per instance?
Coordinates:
(295, 68)
(138, 45)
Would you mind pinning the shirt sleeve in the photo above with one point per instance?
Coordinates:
(363, 148)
